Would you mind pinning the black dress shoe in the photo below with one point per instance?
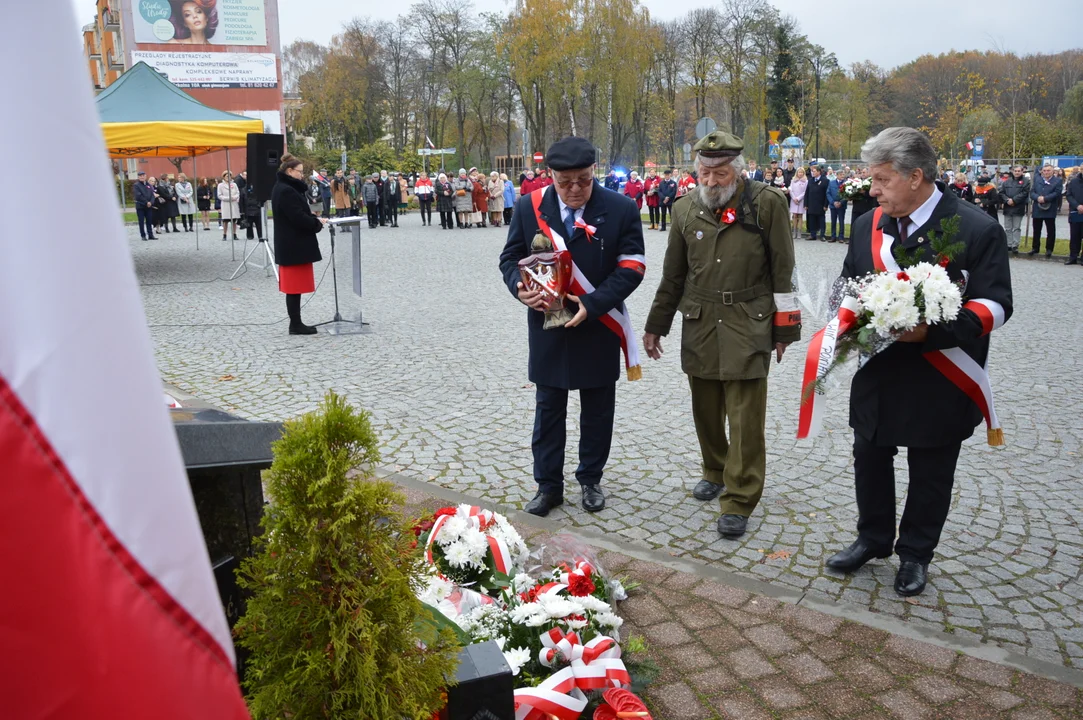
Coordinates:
(593, 498)
(542, 503)
(732, 526)
(1071, 261)
(707, 490)
(1032, 252)
(1049, 255)
(300, 328)
(855, 556)
(910, 580)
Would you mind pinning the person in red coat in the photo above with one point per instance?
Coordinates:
(650, 191)
(543, 178)
(529, 184)
(634, 189)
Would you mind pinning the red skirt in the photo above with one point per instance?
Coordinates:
(296, 279)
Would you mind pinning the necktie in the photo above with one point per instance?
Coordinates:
(569, 223)
(904, 225)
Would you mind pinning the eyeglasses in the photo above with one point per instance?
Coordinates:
(568, 184)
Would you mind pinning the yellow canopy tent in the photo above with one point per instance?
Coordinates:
(145, 115)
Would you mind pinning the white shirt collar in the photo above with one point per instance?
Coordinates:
(564, 209)
(921, 216)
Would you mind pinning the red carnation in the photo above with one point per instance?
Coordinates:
(944, 260)
(445, 511)
(903, 276)
(530, 595)
(729, 216)
(580, 585)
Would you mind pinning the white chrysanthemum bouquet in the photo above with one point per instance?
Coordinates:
(892, 303)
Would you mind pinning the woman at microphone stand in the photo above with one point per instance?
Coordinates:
(296, 246)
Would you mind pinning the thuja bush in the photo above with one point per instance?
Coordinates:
(332, 624)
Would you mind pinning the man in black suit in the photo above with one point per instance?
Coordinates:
(816, 203)
(144, 206)
(667, 195)
(900, 397)
(603, 232)
(754, 173)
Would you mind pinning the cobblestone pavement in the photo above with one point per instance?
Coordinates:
(443, 371)
(727, 651)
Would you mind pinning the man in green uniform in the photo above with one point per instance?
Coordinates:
(728, 271)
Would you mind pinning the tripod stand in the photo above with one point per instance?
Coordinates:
(338, 325)
(268, 254)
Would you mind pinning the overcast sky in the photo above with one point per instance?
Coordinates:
(888, 33)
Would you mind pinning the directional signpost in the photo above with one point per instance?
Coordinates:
(437, 151)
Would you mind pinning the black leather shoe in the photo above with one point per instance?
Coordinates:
(707, 490)
(855, 556)
(1071, 261)
(302, 329)
(910, 580)
(732, 526)
(593, 498)
(542, 503)
(1049, 255)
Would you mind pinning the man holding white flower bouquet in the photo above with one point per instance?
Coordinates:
(928, 389)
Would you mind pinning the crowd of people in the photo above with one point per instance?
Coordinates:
(160, 201)
(472, 199)
(1011, 193)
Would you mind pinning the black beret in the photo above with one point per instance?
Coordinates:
(571, 153)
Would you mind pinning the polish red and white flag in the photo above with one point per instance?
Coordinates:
(108, 606)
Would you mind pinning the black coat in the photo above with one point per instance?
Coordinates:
(392, 191)
(588, 355)
(667, 192)
(144, 194)
(203, 197)
(445, 197)
(1051, 191)
(1018, 191)
(816, 195)
(898, 397)
(295, 225)
(169, 194)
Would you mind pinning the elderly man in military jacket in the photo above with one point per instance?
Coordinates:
(603, 231)
(904, 395)
(728, 272)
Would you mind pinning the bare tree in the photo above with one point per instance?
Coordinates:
(298, 58)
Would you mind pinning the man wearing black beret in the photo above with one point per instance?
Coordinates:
(603, 232)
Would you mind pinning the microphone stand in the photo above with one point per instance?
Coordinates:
(338, 325)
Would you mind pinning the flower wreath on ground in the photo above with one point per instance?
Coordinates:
(552, 612)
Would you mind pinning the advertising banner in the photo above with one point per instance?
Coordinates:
(200, 22)
(213, 69)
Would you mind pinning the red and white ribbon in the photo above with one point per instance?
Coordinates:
(582, 567)
(479, 519)
(557, 697)
(818, 358)
(596, 664)
(617, 320)
(588, 229)
(953, 363)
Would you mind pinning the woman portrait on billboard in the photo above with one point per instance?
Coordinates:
(194, 21)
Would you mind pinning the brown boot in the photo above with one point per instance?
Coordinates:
(653, 226)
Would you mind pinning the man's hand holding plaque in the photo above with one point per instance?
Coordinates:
(546, 276)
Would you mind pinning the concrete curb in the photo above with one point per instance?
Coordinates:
(846, 611)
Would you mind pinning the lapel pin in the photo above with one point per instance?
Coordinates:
(699, 234)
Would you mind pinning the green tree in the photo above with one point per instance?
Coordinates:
(332, 624)
(782, 93)
(1072, 107)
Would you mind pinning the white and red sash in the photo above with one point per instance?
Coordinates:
(818, 358)
(618, 320)
(953, 363)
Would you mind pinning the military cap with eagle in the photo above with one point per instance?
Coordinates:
(718, 147)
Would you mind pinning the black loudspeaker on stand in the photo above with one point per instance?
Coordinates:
(264, 157)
